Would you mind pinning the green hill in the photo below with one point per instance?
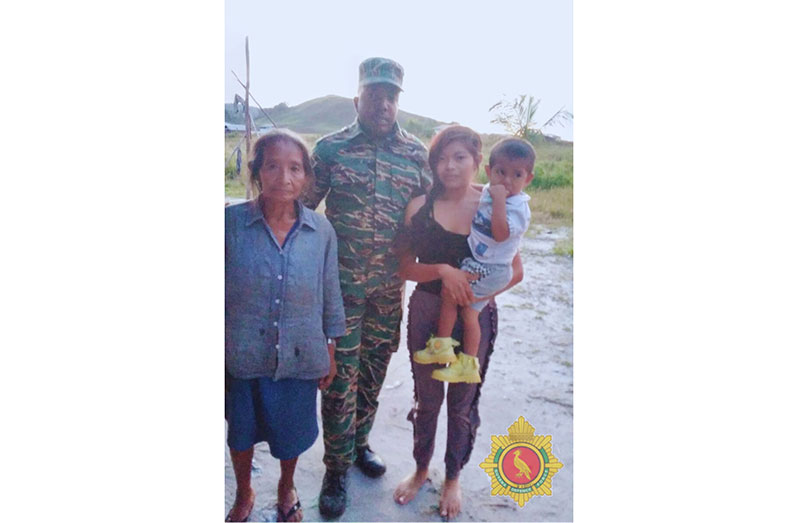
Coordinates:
(324, 115)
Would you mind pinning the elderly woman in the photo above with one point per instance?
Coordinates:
(432, 246)
(283, 310)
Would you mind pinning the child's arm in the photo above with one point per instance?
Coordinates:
(499, 228)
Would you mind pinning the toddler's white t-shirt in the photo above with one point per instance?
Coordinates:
(483, 247)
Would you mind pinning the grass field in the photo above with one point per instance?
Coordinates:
(551, 192)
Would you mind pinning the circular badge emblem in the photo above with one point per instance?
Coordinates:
(521, 465)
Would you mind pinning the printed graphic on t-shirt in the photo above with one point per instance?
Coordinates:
(482, 224)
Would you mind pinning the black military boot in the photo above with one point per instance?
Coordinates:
(370, 463)
(332, 499)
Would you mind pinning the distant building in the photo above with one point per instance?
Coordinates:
(234, 127)
(241, 128)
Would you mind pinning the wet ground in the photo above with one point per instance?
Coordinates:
(530, 375)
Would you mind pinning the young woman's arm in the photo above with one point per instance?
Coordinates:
(518, 275)
(518, 272)
(454, 281)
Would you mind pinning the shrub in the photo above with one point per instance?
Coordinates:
(548, 175)
(230, 171)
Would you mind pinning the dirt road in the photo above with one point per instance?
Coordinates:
(530, 375)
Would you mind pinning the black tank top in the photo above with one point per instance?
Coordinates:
(437, 245)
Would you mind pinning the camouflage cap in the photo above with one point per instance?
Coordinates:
(380, 71)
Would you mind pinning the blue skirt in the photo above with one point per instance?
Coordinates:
(281, 413)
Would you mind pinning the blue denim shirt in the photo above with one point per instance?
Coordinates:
(281, 303)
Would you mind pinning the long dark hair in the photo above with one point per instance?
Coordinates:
(410, 236)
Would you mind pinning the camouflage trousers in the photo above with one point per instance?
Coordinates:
(349, 405)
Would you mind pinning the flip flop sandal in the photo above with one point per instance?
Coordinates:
(286, 516)
(246, 518)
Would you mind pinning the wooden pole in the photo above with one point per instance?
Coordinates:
(246, 115)
(256, 102)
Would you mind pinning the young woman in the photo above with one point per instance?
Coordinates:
(431, 248)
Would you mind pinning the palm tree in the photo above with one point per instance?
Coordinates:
(518, 117)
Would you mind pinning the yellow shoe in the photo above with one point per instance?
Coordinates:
(438, 350)
(464, 370)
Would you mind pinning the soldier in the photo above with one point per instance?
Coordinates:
(368, 171)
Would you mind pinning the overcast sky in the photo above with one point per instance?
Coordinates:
(459, 57)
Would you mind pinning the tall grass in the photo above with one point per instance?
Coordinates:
(552, 207)
(554, 166)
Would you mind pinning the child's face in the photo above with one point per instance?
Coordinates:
(513, 174)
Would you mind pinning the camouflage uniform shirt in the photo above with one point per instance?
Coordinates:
(369, 183)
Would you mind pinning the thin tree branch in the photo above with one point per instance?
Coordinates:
(253, 99)
(562, 114)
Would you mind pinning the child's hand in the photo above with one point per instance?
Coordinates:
(498, 192)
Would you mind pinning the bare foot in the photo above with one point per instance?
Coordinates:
(242, 507)
(409, 487)
(450, 498)
(286, 499)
